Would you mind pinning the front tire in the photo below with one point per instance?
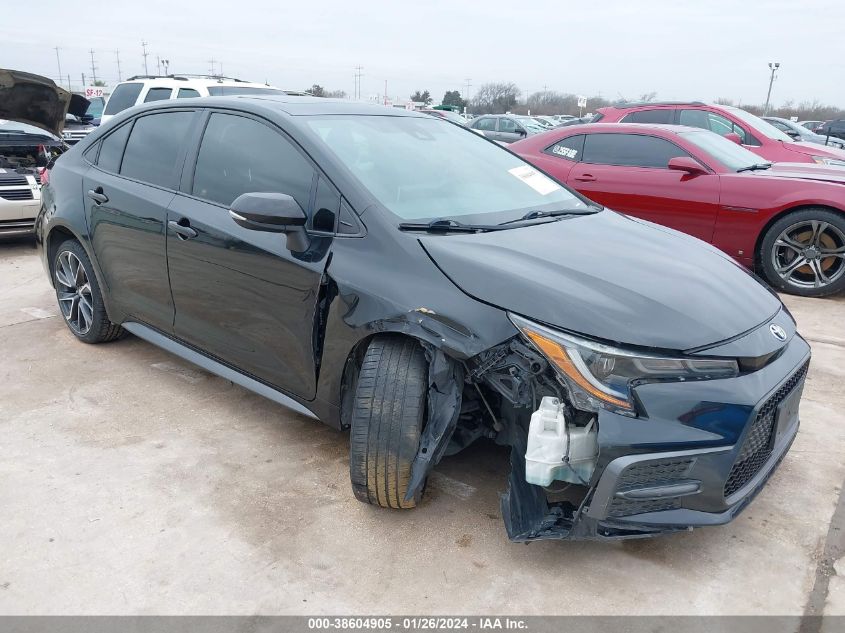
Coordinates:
(803, 253)
(388, 410)
(78, 294)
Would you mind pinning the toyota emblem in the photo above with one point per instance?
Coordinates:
(778, 332)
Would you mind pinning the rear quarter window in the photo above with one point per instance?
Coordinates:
(570, 148)
(650, 116)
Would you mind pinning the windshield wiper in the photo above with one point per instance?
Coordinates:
(448, 226)
(533, 215)
(754, 167)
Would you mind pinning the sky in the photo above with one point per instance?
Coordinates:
(681, 49)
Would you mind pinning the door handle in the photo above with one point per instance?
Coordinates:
(98, 196)
(182, 228)
(585, 178)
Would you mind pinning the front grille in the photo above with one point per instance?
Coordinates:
(757, 446)
(16, 194)
(621, 507)
(11, 180)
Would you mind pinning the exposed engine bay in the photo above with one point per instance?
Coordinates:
(27, 158)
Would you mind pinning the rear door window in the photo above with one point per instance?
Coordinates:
(507, 125)
(488, 124)
(570, 148)
(632, 150)
(240, 155)
(663, 115)
(155, 148)
(716, 123)
(187, 93)
(124, 96)
(158, 94)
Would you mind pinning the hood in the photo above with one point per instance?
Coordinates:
(813, 149)
(805, 171)
(37, 100)
(611, 277)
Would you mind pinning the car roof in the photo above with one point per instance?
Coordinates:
(291, 105)
(641, 104)
(629, 127)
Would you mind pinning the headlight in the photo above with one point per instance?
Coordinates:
(600, 376)
(824, 160)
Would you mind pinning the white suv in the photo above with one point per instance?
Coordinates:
(145, 88)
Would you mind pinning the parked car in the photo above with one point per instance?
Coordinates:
(148, 88)
(560, 118)
(379, 270)
(543, 122)
(786, 221)
(800, 133)
(454, 117)
(576, 121)
(26, 150)
(506, 128)
(813, 126)
(833, 129)
(751, 131)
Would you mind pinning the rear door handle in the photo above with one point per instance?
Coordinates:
(585, 178)
(98, 196)
(182, 229)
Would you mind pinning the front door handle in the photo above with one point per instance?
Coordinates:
(98, 196)
(585, 178)
(182, 228)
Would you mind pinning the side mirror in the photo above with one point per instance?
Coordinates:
(687, 165)
(272, 213)
(793, 133)
(520, 132)
(733, 136)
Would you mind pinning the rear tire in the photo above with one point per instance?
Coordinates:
(388, 410)
(78, 294)
(803, 253)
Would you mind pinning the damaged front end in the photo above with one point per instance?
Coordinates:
(610, 443)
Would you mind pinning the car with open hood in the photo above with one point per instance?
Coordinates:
(416, 284)
(32, 116)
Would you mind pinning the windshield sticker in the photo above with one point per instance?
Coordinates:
(534, 179)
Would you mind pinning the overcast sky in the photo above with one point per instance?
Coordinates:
(699, 49)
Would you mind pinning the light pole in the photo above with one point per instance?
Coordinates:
(773, 66)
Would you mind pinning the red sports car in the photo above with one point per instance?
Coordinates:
(786, 221)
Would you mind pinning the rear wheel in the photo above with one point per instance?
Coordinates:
(388, 410)
(78, 294)
(803, 253)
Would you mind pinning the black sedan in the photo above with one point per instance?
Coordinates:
(393, 274)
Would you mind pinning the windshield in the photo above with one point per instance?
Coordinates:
(764, 127)
(727, 152)
(423, 168)
(222, 91)
(95, 110)
(530, 123)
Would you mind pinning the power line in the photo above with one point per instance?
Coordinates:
(145, 53)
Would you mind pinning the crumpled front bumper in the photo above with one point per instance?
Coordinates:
(698, 457)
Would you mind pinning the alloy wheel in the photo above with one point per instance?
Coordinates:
(809, 254)
(74, 292)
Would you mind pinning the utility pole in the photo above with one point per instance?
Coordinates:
(358, 76)
(59, 62)
(145, 53)
(83, 81)
(165, 63)
(93, 67)
(468, 85)
(773, 66)
(117, 59)
(385, 92)
(211, 66)
(158, 65)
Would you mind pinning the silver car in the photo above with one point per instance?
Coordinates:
(801, 133)
(506, 128)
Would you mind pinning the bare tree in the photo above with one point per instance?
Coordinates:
(495, 98)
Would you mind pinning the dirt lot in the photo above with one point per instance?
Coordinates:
(131, 482)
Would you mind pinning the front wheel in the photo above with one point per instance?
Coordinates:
(803, 253)
(388, 410)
